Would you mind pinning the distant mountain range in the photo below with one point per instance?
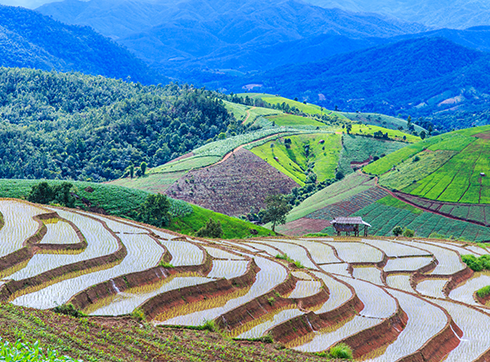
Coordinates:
(417, 76)
(458, 14)
(222, 34)
(29, 39)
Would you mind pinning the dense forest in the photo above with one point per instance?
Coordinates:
(74, 126)
(32, 40)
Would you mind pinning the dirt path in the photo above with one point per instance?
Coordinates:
(398, 197)
(248, 115)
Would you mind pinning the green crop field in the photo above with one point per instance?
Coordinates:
(389, 212)
(321, 151)
(414, 169)
(122, 201)
(155, 182)
(348, 187)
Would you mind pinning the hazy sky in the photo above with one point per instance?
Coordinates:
(31, 4)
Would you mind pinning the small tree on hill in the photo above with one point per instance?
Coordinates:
(143, 167)
(155, 210)
(276, 210)
(212, 229)
(43, 193)
(397, 230)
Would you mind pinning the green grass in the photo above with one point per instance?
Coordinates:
(359, 148)
(294, 161)
(394, 135)
(293, 121)
(122, 201)
(233, 228)
(156, 182)
(307, 108)
(381, 120)
(187, 164)
(240, 111)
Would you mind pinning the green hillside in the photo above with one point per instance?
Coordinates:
(124, 202)
(382, 120)
(297, 156)
(445, 168)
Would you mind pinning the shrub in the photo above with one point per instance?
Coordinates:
(139, 314)
(155, 210)
(212, 229)
(473, 262)
(164, 264)
(271, 301)
(397, 230)
(408, 233)
(341, 351)
(68, 309)
(483, 292)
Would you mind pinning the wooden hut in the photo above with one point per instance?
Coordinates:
(349, 225)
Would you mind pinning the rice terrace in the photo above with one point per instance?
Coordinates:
(387, 299)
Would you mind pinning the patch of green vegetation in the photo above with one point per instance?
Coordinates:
(233, 228)
(296, 263)
(341, 351)
(409, 172)
(156, 182)
(69, 310)
(360, 148)
(164, 264)
(380, 120)
(477, 263)
(389, 212)
(395, 135)
(348, 187)
(186, 164)
(307, 108)
(459, 180)
(483, 292)
(293, 120)
(19, 351)
(298, 156)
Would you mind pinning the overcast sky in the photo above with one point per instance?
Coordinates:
(31, 4)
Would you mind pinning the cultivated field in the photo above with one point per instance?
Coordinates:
(389, 300)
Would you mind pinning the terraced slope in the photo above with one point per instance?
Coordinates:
(447, 174)
(388, 300)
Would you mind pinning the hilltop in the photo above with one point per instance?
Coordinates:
(434, 187)
(32, 40)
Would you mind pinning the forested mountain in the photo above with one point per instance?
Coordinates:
(417, 77)
(458, 14)
(222, 34)
(73, 126)
(29, 39)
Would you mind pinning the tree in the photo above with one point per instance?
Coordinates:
(155, 210)
(348, 128)
(422, 135)
(212, 229)
(408, 233)
(131, 170)
(276, 210)
(43, 193)
(397, 230)
(143, 168)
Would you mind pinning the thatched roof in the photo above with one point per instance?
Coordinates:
(349, 221)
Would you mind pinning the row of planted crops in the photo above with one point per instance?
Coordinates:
(389, 300)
